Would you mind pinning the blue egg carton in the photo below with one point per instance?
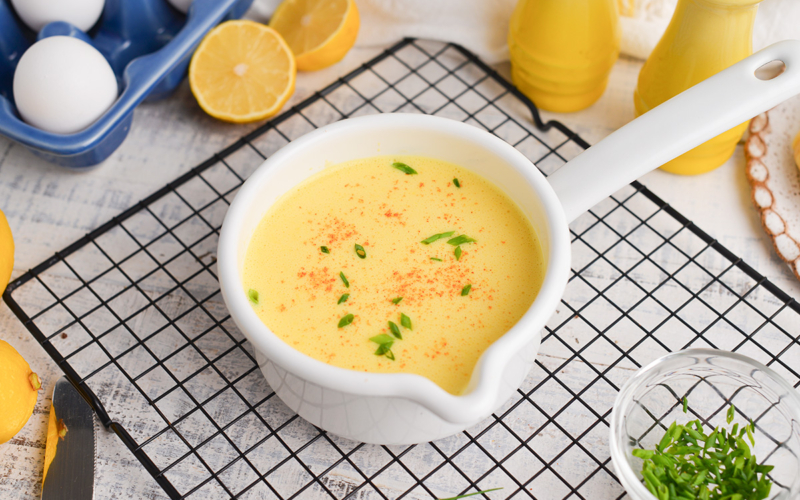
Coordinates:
(147, 42)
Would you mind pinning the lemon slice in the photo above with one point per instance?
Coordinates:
(6, 252)
(796, 149)
(320, 32)
(242, 72)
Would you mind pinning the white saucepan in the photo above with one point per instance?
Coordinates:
(404, 408)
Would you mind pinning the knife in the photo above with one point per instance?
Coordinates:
(71, 474)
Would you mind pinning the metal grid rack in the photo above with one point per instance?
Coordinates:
(133, 315)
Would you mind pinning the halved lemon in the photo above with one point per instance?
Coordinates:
(242, 72)
(320, 32)
(6, 252)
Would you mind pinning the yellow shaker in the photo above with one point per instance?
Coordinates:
(703, 38)
(562, 51)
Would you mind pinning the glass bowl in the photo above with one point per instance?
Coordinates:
(710, 380)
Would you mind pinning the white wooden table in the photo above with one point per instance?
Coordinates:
(48, 208)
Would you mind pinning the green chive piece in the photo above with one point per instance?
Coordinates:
(389, 354)
(346, 320)
(324, 249)
(458, 253)
(396, 300)
(382, 339)
(458, 184)
(395, 330)
(383, 349)
(344, 279)
(362, 254)
(405, 321)
(436, 259)
(253, 296)
(465, 290)
(439, 236)
(460, 240)
(731, 414)
(471, 494)
(750, 435)
(685, 405)
(343, 298)
(404, 168)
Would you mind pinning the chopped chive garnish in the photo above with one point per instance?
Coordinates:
(396, 300)
(685, 405)
(385, 343)
(436, 259)
(383, 349)
(465, 290)
(343, 298)
(439, 236)
(382, 339)
(324, 249)
(405, 321)
(460, 240)
(404, 168)
(362, 254)
(471, 494)
(687, 463)
(458, 184)
(252, 295)
(346, 320)
(344, 279)
(395, 330)
(458, 253)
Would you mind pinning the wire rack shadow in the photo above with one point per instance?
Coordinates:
(133, 315)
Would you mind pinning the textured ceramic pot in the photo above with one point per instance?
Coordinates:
(405, 408)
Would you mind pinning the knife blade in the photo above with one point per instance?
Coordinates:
(71, 474)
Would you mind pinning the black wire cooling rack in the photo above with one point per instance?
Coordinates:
(133, 315)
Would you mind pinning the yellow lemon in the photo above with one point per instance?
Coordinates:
(6, 252)
(19, 387)
(242, 71)
(55, 430)
(320, 32)
(796, 149)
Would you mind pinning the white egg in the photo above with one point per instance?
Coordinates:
(63, 85)
(80, 13)
(181, 5)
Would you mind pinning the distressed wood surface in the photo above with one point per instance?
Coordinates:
(49, 208)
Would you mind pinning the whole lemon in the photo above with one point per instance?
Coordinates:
(6, 252)
(19, 387)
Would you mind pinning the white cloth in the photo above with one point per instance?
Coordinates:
(482, 25)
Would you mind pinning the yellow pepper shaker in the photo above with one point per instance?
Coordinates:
(562, 51)
(703, 38)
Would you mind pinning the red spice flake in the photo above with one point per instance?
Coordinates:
(421, 184)
(281, 308)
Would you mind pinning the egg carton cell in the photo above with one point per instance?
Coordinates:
(147, 44)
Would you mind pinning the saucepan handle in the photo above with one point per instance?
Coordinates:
(702, 112)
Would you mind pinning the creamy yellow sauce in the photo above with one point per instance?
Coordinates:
(389, 213)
